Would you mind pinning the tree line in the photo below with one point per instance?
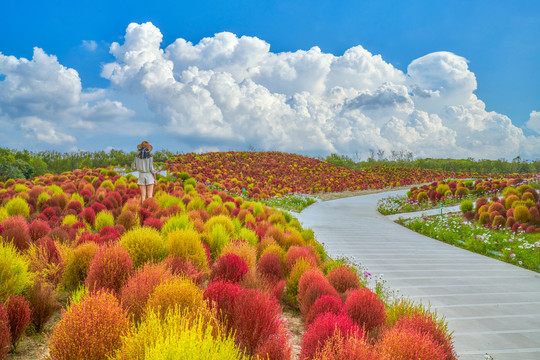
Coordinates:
(16, 164)
(406, 159)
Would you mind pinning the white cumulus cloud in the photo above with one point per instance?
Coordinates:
(229, 92)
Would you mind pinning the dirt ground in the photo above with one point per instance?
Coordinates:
(34, 346)
(296, 327)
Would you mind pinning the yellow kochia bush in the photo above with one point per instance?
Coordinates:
(143, 244)
(14, 275)
(17, 206)
(177, 292)
(181, 335)
(103, 218)
(186, 243)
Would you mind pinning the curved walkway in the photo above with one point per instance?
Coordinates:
(492, 307)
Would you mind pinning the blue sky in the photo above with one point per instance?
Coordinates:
(498, 40)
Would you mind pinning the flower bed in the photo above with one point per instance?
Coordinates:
(517, 248)
(192, 272)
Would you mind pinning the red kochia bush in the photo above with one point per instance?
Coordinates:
(365, 308)
(324, 327)
(181, 266)
(91, 329)
(88, 215)
(153, 222)
(5, 333)
(296, 252)
(339, 347)
(255, 317)
(408, 344)
(222, 295)
(109, 269)
(270, 267)
(314, 290)
(97, 207)
(109, 234)
(17, 231)
(324, 304)
(229, 267)
(276, 347)
(19, 314)
(343, 278)
(426, 325)
(135, 293)
(38, 229)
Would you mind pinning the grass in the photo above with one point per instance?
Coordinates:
(519, 248)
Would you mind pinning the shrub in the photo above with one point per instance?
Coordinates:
(143, 244)
(343, 278)
(44, 302)
(222, 220)
(45, 260)
(186, 243)
(298, 269)
(176, 222)
(135, 293)
(481, 202)
(276, 347)
(17, 232)
(534, 215)
(109, 269)
(499, 221)
(466, 205)
(229, 267)
(153, 223)
(14, 275)
(270, 267)
(308, 294)
(408, 344)
(296, 252)
(242, 249)
(533, 192)
(255, 323)
(38, 229)
(77, 265)
(323, 328)
(17, 206)
(510, 222)
(178, 335)
(221, 296)
(219, 237)
(128, 219)
(339, 347)
(324, 304)
(103, 219)
(521, 213)
(90, 329)
(484, 218)
(178, 293)
(365, 308)
(110, 234)
(184, 267)
(88, 215)
(422, 197)
(249, 236)
(426, 325)
(5, 333)
(19, 313)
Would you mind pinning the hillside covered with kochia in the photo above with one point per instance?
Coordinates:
(266, 174)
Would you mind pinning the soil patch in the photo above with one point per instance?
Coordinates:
(296, 327)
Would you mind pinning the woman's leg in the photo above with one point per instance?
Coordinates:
(143, 193)
(150, 190)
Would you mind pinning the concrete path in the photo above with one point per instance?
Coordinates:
(492, 307)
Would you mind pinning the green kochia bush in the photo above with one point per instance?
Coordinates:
(104, 218)
(466, 205)
(14, 275)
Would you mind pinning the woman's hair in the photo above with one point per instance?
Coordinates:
(144, 153)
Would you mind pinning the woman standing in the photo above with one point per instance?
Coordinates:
(144, 164)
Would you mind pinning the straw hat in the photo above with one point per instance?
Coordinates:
(144, 145)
